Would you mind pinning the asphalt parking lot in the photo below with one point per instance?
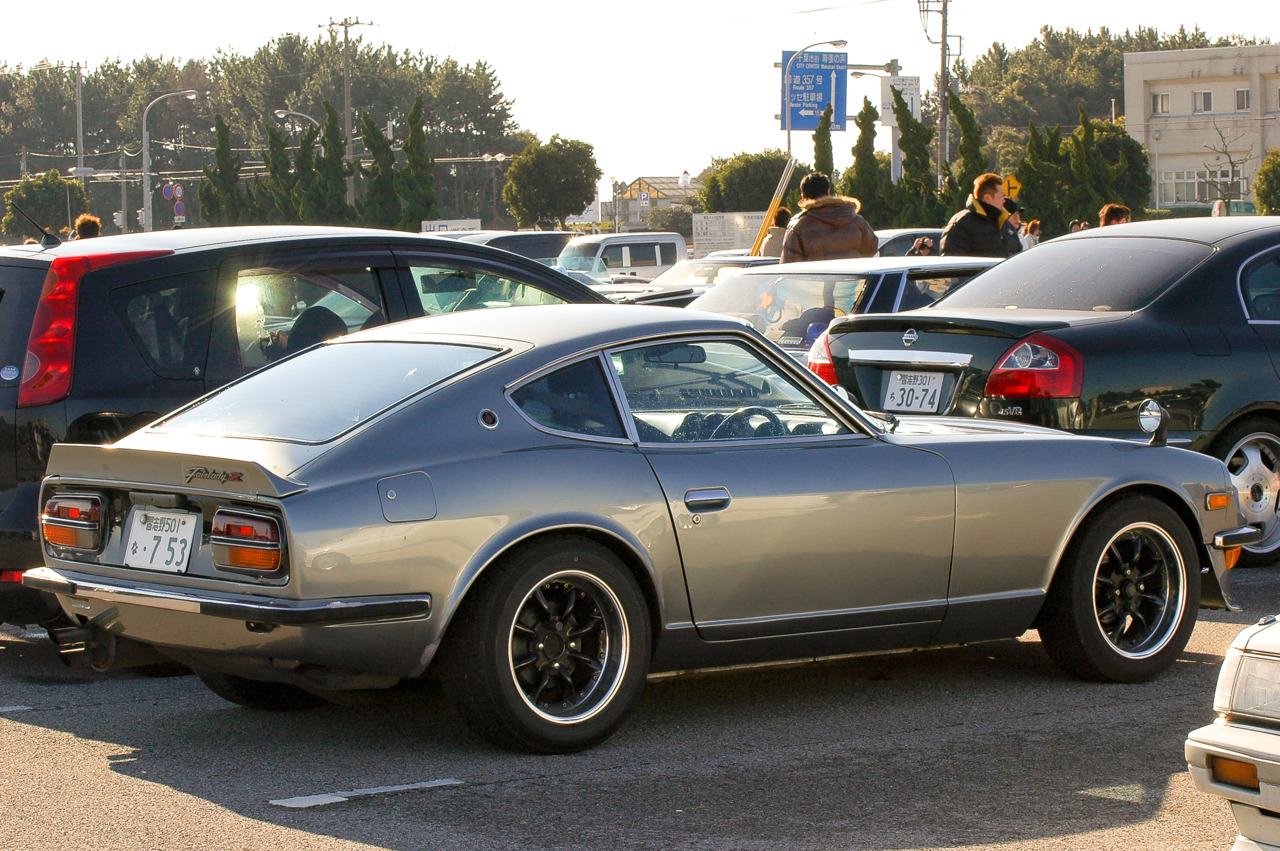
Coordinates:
(986, 746)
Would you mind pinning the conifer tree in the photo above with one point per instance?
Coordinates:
(866, 181)
(220, 196)
(416, 179)
(325, 200)
(823, 157)
(381, 203)
(917, 200)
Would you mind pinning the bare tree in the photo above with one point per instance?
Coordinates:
(1235, 160)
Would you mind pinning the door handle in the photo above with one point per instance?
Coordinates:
(707, 499)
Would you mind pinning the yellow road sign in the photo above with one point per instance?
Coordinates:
(1012, 186)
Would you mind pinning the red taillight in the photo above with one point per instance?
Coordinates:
(1039, 367)
(11, 575)
(51, 348)
(245, 542)
(73, 521)
(819, 359)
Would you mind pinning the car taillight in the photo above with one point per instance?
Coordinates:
(73, 522)
(1039, 367)
(819, 359)
(243, 541)
(51, 348)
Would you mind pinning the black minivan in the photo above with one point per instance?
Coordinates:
(99, 337)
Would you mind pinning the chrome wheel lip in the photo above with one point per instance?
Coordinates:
(1175, 573)
(1258, 512)
(618, 653)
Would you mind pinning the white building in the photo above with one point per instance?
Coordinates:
(1207, 117)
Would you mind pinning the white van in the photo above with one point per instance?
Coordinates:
(644, 255)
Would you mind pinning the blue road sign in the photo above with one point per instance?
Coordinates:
(817, 79)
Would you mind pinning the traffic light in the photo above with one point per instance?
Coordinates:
(118, 218)
(140, 215)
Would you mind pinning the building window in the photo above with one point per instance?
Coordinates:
(1203, 102)
(1242, 100)
(1203, 186)
(1160, 104)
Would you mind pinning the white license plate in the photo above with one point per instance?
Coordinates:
(161, 540)
(915, 392)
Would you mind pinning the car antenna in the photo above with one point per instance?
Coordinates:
(47, 239)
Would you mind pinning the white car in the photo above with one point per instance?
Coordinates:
(1238, 755)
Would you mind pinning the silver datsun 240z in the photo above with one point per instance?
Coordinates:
(545, 504)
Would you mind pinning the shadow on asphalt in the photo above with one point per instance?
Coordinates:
(923, 749)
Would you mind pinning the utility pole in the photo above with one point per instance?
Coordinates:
(939, 7)
(84, 178)
(347, 24)
(124, 196)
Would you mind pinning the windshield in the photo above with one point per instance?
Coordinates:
(782, 306)
(1102, 274)
(588, 265)
(324, 392)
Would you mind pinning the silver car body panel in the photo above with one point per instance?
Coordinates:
(940, 530)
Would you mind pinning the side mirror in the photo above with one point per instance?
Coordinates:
(1154, 420)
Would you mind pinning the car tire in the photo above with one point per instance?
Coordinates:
(258, 694)
(1103, 618)
(1251, 451)
(549, 652)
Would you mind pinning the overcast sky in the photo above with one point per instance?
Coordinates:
(657, 86)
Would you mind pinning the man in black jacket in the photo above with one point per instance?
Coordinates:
(976, 230)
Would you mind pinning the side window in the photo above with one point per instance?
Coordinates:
(283, 311)
(644, 254)
(923, 291)
(885, 295)
(1262, 289)
(575, 399)
(668, 250)
(612, 256)
(717, 390)
(898, 246)
(445, 289)
(169, 325)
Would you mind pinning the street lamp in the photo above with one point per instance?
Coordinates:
(786, 77)
(284, 113)
(189, 94)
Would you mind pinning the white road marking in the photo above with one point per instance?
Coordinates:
(16, 708)
(337, 797)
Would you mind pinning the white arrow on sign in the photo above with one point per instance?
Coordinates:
(807, 112)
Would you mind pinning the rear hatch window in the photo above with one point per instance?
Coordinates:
(20, 288)
(1097, 274)
(318, 395)
(782, 306)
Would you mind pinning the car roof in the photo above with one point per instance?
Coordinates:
(872, 265)
(1208, 229)
(592, 238)
(578, 326)
(484, 236)
(888, 233)
(188, 239)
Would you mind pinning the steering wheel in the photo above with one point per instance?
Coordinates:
(734, 421)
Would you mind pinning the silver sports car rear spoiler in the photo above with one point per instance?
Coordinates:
(114, 464)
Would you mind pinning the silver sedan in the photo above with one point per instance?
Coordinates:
(545, 504)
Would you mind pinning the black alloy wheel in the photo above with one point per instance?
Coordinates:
(549, 651)
(1124, 599)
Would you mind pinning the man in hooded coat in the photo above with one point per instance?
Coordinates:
(828, 226)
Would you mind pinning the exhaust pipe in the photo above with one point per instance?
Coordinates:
(92, 646)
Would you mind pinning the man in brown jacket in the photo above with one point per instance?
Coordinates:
(828, 226)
